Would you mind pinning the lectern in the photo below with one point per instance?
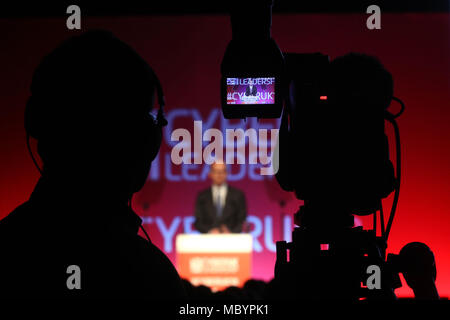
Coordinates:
(214, 260)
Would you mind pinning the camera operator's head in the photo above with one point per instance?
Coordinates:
(89, 111)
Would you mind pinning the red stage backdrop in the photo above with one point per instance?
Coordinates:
(186, 53)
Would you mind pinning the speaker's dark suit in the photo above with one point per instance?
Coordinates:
(233, 214)
(251, 92)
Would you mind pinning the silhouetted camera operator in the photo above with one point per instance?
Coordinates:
(90, 112)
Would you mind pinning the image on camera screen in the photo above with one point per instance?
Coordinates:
(251, 90)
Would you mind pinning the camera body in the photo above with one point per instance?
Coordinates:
(333, 148)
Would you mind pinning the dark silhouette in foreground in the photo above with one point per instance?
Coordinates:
(89, 111)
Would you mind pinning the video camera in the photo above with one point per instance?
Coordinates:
(335, 110)
(333, 153)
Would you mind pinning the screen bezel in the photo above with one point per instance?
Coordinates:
(265, 104)
(241, 111)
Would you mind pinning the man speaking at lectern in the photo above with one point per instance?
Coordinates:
(220, 208)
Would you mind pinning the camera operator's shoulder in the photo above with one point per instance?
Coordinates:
(159, 273)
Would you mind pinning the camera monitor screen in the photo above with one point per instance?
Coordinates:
(251, 90)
